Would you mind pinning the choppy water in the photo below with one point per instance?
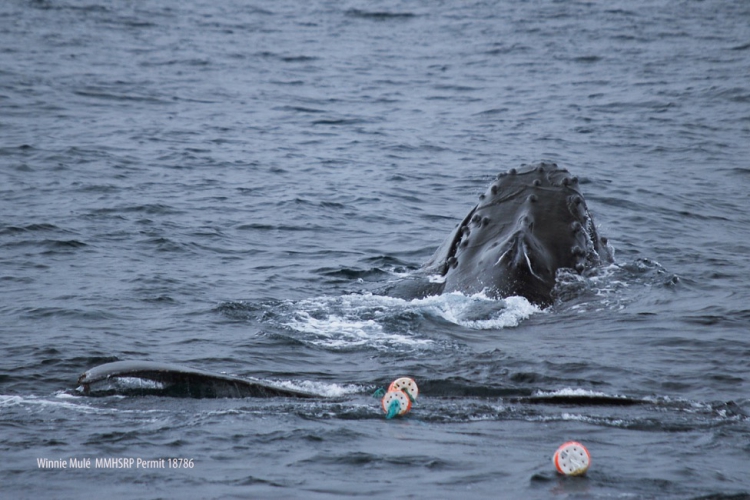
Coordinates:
(221, 185)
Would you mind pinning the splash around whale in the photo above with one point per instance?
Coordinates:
(530, 223)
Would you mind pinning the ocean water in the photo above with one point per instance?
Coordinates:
(227, 185)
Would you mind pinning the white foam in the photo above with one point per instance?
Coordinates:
(339, 332)
(324, 389)
(477, 311)
(65, 395)
(350, 321)
(43, 403)
(573, 392)
(357, 320)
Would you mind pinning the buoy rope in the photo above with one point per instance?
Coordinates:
(393, 409)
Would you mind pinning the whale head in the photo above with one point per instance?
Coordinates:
(530, 223)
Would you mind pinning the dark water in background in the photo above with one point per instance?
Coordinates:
(216, 184)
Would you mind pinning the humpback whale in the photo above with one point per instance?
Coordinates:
(528, 225)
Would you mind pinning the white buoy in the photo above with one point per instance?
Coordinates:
(398, 398)
(407, 385)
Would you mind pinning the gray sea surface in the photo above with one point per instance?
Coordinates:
(225, 185)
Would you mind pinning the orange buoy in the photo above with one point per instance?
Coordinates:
(572, 459)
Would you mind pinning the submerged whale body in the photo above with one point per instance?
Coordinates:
(147, 378)
(529, 224)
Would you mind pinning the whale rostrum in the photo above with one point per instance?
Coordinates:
(528, 224)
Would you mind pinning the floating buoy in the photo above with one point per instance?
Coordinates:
(396, 403)
(407, 385)
(401, 394)
(572, 459)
